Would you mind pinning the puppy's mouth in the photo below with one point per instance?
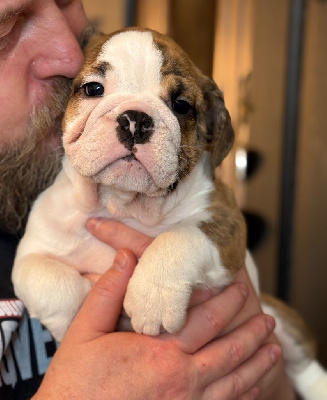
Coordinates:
(129, 158)
(127, 174)
(125, 165)
(141, 169)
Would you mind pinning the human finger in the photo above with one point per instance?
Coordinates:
(243, 382)
(119, 235)
(223, 355)
(197, 298)
(101, 308)
(252, 306)
(200, 296)
(205, 321)
(92, 277)
(252, 394)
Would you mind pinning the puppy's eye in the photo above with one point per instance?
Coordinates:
(181, 106)
(93, 89)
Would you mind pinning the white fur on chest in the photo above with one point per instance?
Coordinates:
(58, 227)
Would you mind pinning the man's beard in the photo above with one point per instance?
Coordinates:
(28, 167)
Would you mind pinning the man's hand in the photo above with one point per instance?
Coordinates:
(94, 362)
(274, 384)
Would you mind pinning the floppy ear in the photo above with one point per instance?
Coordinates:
(220, 134)
(85, 192)
(88, 33)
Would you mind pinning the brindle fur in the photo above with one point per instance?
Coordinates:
(227, 228)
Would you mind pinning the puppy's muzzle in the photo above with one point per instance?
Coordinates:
(134, 127)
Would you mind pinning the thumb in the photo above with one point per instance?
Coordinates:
(101, 309)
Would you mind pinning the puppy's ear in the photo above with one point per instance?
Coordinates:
(88, 33)
(85, 192)
(220, 134)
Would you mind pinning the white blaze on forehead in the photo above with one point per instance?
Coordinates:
(135, 62)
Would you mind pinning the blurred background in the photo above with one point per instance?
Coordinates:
(270, 59)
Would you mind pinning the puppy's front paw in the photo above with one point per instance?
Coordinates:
(153, 308)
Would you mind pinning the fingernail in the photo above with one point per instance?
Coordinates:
(93, 223)
(276, 353)
(244, 289)
(270, 321)
(120, 261)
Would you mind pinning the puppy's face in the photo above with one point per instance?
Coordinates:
(141, 114)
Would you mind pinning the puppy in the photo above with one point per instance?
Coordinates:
(144, 131)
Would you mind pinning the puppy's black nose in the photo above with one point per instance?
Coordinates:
(134, 127)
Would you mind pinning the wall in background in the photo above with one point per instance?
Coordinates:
(267, 93)
(108, 15)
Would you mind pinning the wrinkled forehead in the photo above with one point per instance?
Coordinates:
(136, 61)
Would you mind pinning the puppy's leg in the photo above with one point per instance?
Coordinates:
(52, 291)
(308, 376)
(171, 267)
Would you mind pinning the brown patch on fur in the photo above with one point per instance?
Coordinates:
(220, 133)
(192, 144)
(294, 325)
(91, 52)
(210, 122)
(227, 228)
(179, 80)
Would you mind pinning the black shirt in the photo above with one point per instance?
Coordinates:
(26, 347)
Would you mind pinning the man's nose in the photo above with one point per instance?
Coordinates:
(58, 52)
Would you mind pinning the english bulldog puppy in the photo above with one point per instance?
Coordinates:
(143, 133)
